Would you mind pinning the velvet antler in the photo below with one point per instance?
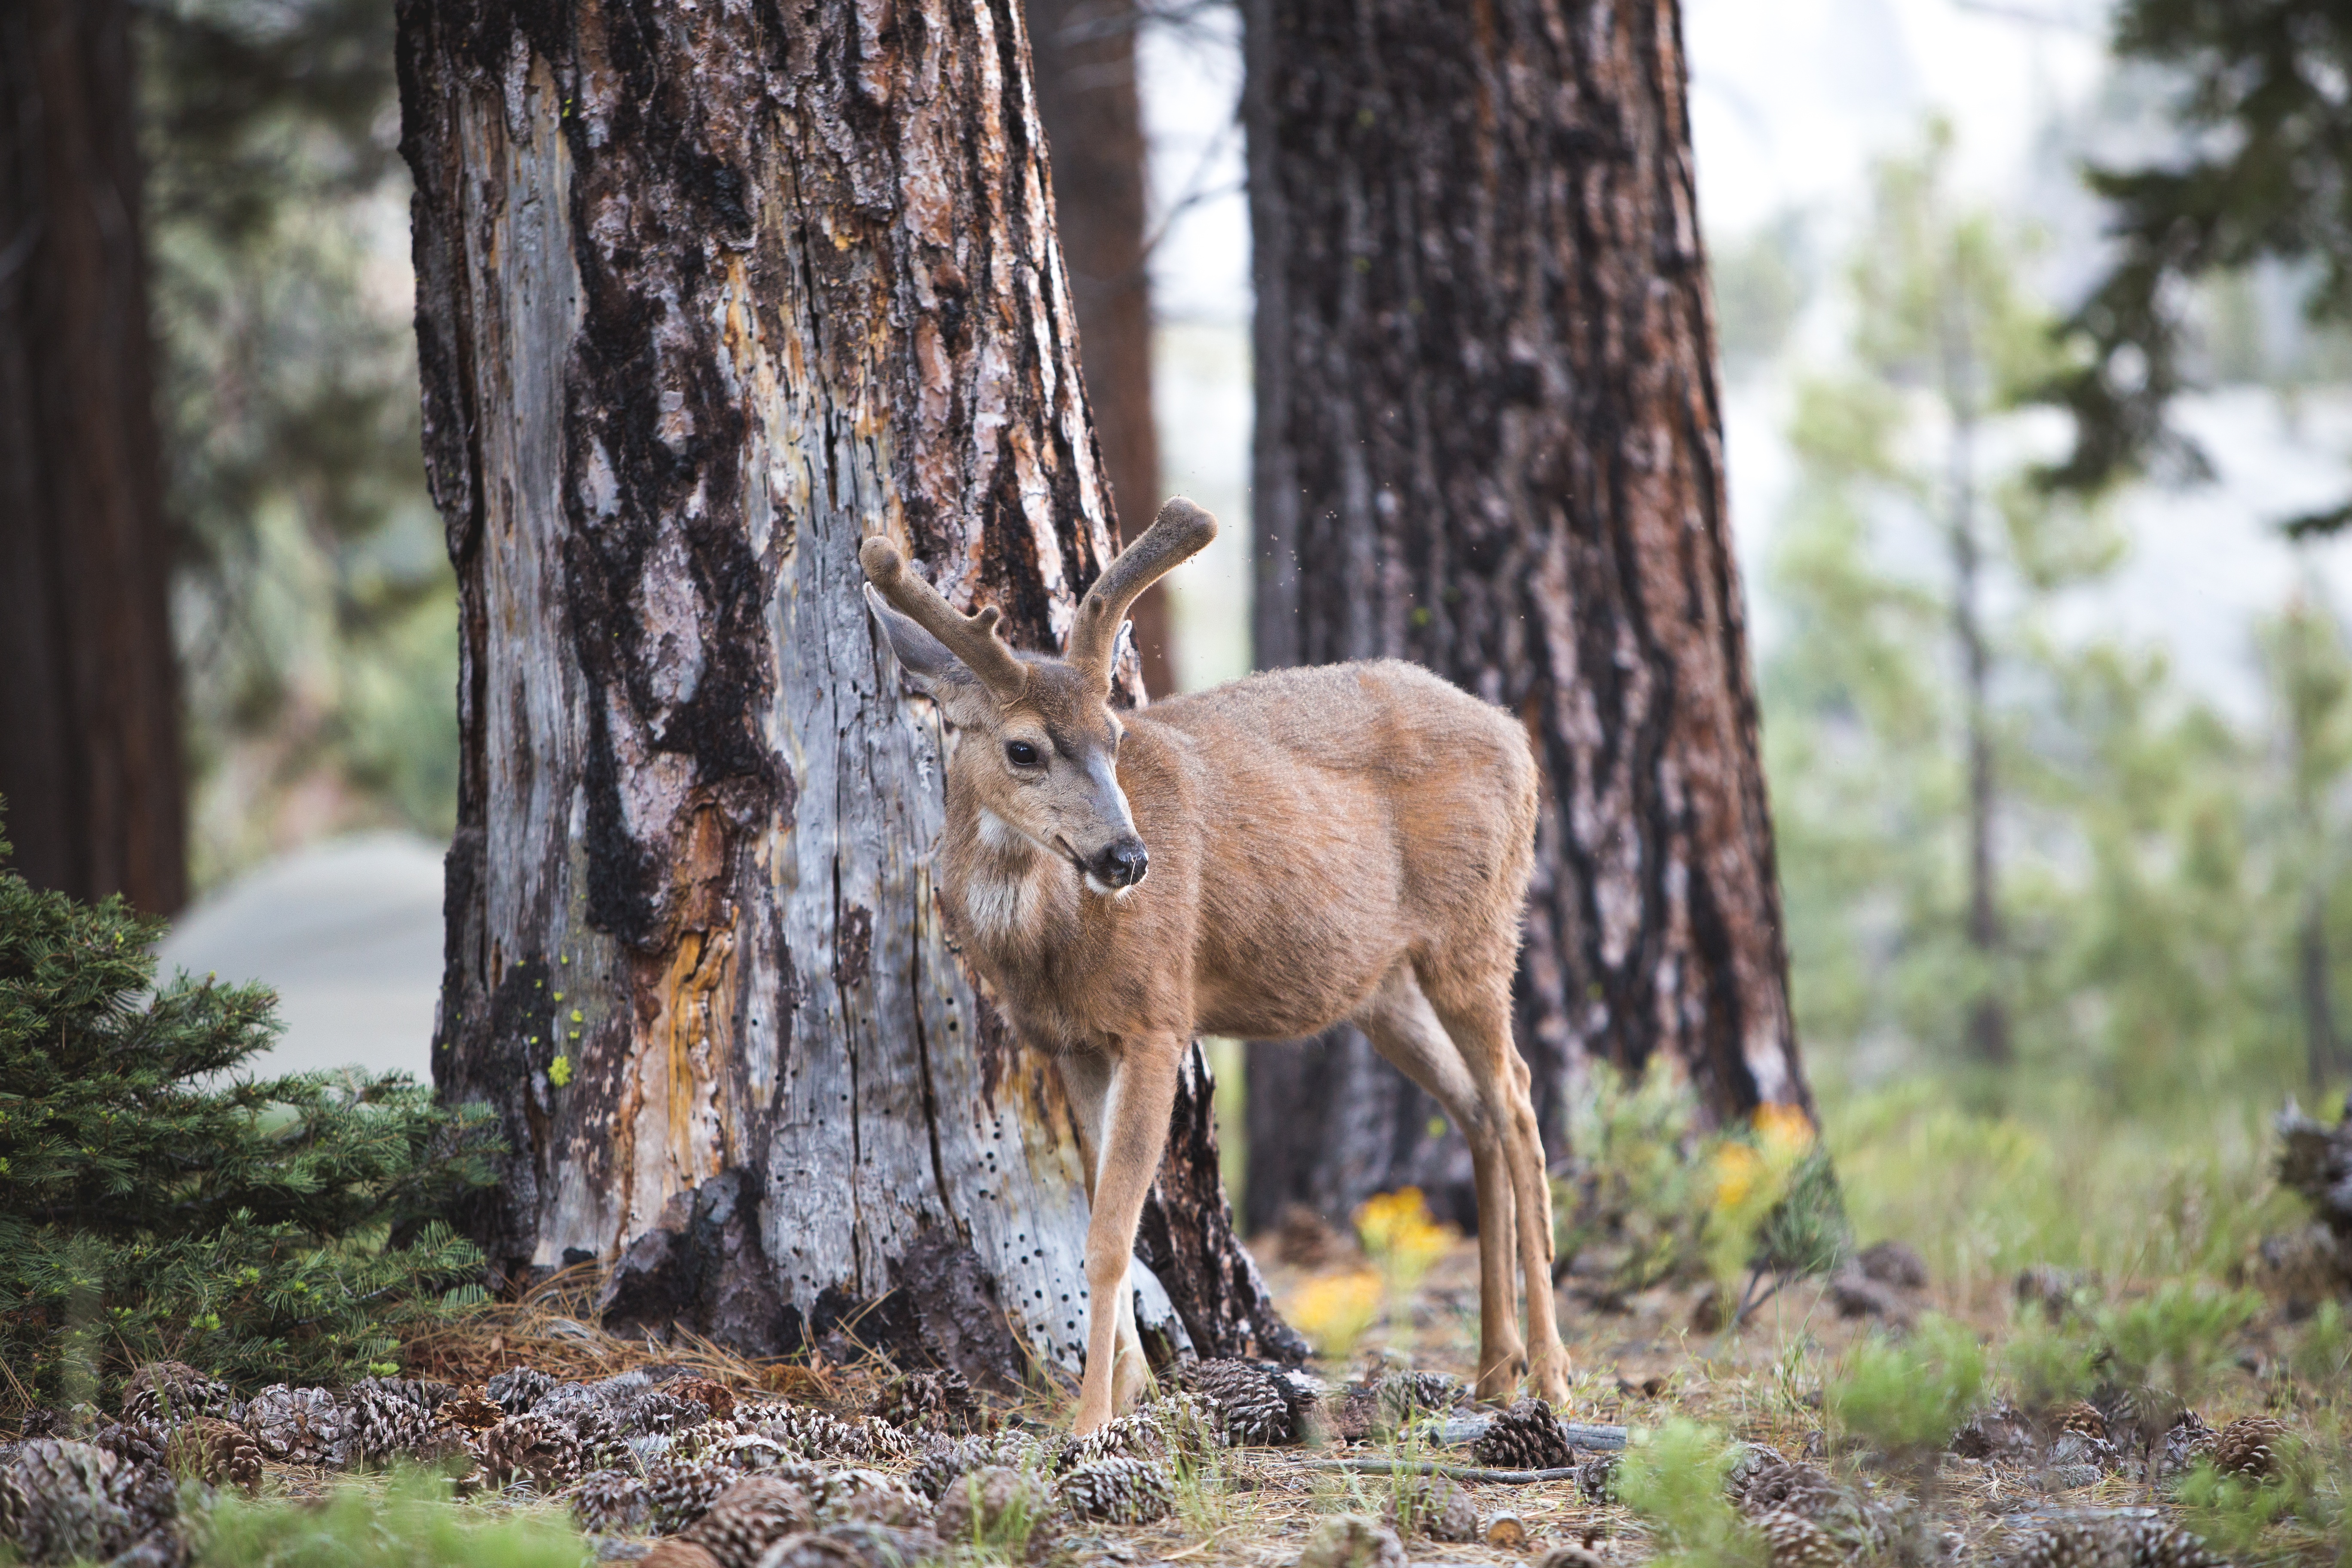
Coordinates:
(971, 638)
(1179, 532)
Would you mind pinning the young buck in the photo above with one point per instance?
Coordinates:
(1264, 861)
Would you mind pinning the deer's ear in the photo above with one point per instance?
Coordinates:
(931, 667)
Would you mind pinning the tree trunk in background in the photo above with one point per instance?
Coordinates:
(703, 298)
(1489, 440)
(1093, 120)
(89, 728)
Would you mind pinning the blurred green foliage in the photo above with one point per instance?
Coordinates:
(151, 1205)
(412, 1524)
(314, 605)
(1674, 1481)
(2170, 925)
(1906, 1397)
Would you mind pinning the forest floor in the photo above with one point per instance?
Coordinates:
(1640, 1363)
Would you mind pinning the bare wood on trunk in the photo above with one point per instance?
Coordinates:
(90, 730)
(704, 298)
(1489, 439)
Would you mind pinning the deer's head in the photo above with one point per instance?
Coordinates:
(1038, 742)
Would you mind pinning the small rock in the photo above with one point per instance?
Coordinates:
(1352, 1541)
(1573, 1554)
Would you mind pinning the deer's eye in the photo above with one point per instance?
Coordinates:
(1021, 753)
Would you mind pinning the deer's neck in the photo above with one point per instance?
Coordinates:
(1019, 902)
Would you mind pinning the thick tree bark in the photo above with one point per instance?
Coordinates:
(705, 296)
(90, 729)
(1093, 120)
(1489, 439)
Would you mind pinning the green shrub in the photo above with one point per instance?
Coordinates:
(2048, 1363)
(412, 1525)
(269, 1230)
(2234, 1514)
(1905, 1399)
(2173, 1340)
(1674, 1481)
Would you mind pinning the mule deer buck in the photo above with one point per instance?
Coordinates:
(1351, 842)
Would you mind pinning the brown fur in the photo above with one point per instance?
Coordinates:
(1345, 843)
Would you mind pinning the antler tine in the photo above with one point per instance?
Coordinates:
(1178, 534)
(971, 638)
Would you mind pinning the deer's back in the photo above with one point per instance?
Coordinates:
(1349, 814)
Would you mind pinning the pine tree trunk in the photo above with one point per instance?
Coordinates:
(1489, 439)
(1093, 120)
(90, 729)
(705, 296)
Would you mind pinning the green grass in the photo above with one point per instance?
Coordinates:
(410, 1523)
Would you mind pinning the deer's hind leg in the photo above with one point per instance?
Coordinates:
(1402, 1027)
(1477, 1015)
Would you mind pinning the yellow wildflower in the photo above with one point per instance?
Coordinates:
(1333, 1311)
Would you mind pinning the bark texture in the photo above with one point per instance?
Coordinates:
(1093, 119)
(1489, 440)
(706, 295)
(89, 732)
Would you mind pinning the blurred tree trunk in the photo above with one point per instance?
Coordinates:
(703, 298)
(1489, 440)
(1093, 120)
(90, 729)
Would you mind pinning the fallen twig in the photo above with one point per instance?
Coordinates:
(1431, 1467)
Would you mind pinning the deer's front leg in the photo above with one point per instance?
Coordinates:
(1123, 1098)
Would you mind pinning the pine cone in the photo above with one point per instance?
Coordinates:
(298, 1425)
(1135, 1435)
(1435, 1507)
(682, 1492)
(140, 1444)
(748, 1518)
(384, 1420)
(1117, 1491)
(713, 1395)
(2251, 1445)
(1249, 1404)
(678, 1554)
(1998, 1433)
(1750, 1463)
(610, 1502)
(944, 1463)
(165, 1391)
(2077, 1448)
(1785, 1487)
(928, 1403)
(1596, 1479)
(2188, 1440)
(870, 1497)
(61, 1501)
(2084, 1417)
(217, 1453)
(517, 1388)
(1352, 1541)
(2109, 1541)
(1796, 1542)
(1405, 1395)
(1526, 1437)
(470, 1410)
(531, 1445)
(992, 1506)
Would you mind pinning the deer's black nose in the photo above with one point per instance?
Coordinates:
(1123, 862)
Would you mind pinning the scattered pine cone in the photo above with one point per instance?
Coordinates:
(1796, 1542)
(2073, 1448)
(1352, 1541)
(713, 1395)
(1117, 1491)
(944, 1463)
(1750, 1463)
(1800, 1489)
(2251, 1445)
(986, 1506)
(610, 1502)
(1405, 1395)
(1526, 1437)
(298, 1425)
(2188, 1440)
(2111, 1543)
(165, 1391)
(140, 1443)
(1135, 1435)
(61, 1501)
(928, 1402)
(748, 1518)
(1998, 1433)
(678, 1554)
(682, 1492)
(1434, 1506)
(218, 1452)
(470, 1410)
(1249, 1404)
(870, 1497)
(1596, 1479)
(532, 1445)
(517, 1388)
(814, 1434)
(383, 1420)
(2084, 1417)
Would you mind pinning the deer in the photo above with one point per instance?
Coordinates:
(1264, 861)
